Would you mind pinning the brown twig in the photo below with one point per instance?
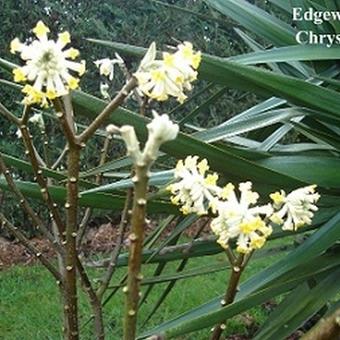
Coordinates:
(237, 268)
(136, 239)
(71, 205)
(66, 121)
(113, 105)
(65, 116)
(60, 158)
(26, 206)
(94, 300)
(9, 115)
(45, 149)
(115, 252)
(83, 226)
(22, 238)
(71, 259)
(52, 206)
(25, 115)
(141, 101)
(88, 212)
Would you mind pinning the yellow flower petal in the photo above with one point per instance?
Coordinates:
(196, 60)
(276, 219)
(72, 53)
(15, 45)
(258, 242)
(174, 200)
(158, 75)
(82, 68)
(242, 250)
(40, 30)
(185, 210)
(203, 166)
(211, 179)
(73, 83)
(64, 38)
(277, 197)
(51, 94)
(227, 190)
(169, 59)
(19, 75)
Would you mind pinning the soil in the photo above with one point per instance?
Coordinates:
(98, 240)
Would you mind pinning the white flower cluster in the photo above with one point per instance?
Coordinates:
(171, 76)
(106, 65)
(106, 68)
(48, 67)
(241, 219)
(194, 190)
(295, 209)
(161, 130)
(238, 217)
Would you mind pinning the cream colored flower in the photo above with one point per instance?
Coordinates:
(239, 218)
(112, 129)
(38, 120)
(106, 65)
(132, 145)
(18, 133)
(185, 61)
(295, 209)
(161, 129)
(158, 85)
(104, 87)
(195, 191)
(159, 79)
(49, 68)
(149, 59)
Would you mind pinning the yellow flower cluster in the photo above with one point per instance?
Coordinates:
(295, 209)
(237, 215)
(195, 189)
(170, 76)
(240, 218)
(47, 69)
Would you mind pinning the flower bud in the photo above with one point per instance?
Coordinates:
(132, 144)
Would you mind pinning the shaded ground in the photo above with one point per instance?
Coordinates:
(98, 239)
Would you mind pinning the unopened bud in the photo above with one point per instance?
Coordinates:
(111, 129)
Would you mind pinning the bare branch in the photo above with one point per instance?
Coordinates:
(88, 212)
(94, 300)
(66, 120)
(113, 105)
(22, 238)
(26, 206)
(9, 115)
(60, 158)
(30, 151)
(116, 250)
